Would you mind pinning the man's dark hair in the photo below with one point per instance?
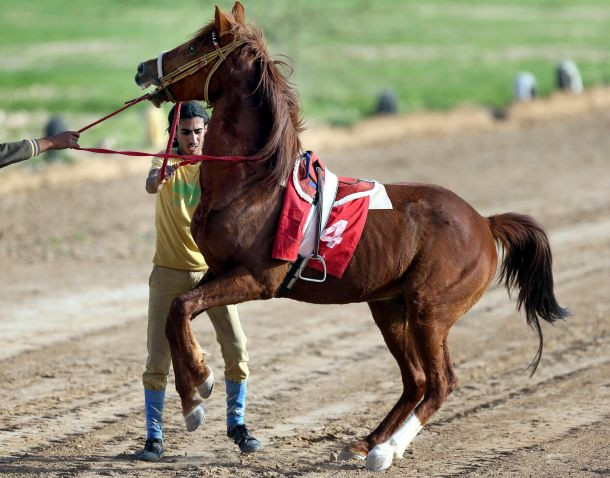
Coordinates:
(188, 109)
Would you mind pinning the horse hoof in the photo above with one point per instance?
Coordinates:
(348, 454)
(380, 457)
(194, 418)
(205, 389)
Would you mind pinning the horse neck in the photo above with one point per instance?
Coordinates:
(237, 128)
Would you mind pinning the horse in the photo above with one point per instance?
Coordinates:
(419, 266)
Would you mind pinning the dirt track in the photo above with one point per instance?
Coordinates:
(75, 259)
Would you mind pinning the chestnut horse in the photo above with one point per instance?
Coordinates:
(420, 266)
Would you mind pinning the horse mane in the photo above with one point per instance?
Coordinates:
(280, 98)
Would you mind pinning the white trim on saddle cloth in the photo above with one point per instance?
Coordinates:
(295, 181)
(378, 200)
(379, 196)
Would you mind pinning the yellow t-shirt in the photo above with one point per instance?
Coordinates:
(176, 203)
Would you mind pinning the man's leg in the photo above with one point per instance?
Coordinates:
(232, 342)
(164, 285)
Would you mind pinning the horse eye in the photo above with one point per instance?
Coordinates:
(192, 49)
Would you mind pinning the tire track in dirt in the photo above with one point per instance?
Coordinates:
(323, 388)
(549, 413)
(575, 454)
(312, 389)
(508, 392)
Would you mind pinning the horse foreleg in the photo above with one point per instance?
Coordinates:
(185, 383)
(189, 368)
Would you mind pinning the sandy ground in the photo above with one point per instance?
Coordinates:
(75, 258)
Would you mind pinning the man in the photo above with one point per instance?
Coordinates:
(11, 153)
(178, 268)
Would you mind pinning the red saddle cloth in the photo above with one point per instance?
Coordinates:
(343, 228)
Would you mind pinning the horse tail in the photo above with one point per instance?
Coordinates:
(527, 265)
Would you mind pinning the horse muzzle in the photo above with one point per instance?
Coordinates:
(146, 74)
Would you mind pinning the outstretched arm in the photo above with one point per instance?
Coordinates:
(11, 153)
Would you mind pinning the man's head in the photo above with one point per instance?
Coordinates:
(191, 128)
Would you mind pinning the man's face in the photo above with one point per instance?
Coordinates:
(190, 135)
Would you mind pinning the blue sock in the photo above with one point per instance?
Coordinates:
(236, 403)
(153, 401)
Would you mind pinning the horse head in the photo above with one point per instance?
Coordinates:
(256, 109)
(185, 73)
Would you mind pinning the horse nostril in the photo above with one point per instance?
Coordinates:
(141, 68)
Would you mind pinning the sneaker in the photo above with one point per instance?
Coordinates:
(153, 450)
(246, 442)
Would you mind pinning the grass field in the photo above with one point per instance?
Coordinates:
(79, 57)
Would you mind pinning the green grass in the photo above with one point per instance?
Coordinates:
(63, 56)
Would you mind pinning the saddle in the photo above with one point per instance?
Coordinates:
(322, 219)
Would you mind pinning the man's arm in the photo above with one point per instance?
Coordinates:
(11, 153)
(15, 152)
(153, 183)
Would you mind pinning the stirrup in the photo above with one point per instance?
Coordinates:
(321, 260)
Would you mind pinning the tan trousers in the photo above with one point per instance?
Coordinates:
(164, 286)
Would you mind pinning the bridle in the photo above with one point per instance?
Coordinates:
(163, 82)
(193, 66)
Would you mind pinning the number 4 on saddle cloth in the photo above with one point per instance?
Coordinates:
(345, 205)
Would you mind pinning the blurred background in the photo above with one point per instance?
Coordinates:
(78, 59)
(475, 86)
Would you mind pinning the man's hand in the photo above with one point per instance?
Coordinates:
(169, 173)
(154, 183)
(67, 139)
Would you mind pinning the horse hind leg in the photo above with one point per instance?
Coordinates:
(391, 318)
(428, 337)
(452, 379)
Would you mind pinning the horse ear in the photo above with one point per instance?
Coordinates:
(239, 13)
(222, 22)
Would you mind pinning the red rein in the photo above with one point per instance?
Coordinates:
(186, 159)
(172, 135)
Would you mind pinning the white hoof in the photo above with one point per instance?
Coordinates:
(380, 457)
(347, 455)
(194, 418)
(205, 389)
